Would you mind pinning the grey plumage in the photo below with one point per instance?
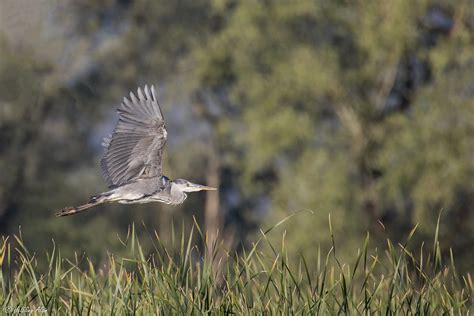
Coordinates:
(132, 164)
(136, 146)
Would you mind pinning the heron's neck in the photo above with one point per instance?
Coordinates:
(177, 194)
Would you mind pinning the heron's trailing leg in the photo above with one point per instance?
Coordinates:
(93, 201)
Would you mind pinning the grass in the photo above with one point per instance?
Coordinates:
(180, 279)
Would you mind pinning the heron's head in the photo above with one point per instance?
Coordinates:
(187, 186)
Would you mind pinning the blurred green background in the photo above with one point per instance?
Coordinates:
(359, 109)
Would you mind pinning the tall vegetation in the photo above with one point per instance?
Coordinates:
(180, 279)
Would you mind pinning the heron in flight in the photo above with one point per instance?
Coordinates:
(132, 164)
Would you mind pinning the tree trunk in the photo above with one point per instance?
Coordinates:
(212, 214)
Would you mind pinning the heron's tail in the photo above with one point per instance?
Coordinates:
(93, 201)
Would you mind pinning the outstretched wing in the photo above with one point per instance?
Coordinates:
(135, 149)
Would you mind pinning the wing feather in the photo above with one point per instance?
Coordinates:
(147, 93)
(141, 97)
(135, 149)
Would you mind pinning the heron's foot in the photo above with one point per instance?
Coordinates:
(66, 211)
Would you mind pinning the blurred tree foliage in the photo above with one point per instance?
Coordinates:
(361, 109)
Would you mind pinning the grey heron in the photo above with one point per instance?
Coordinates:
(133, 159)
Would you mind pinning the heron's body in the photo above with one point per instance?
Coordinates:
(148, 190)
(132, 164)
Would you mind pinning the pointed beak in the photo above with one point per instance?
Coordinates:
(206, 188)
(194, 187)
